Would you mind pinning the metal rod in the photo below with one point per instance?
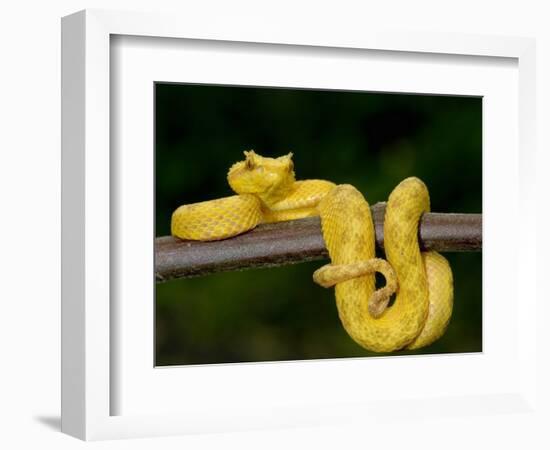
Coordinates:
(296, 241)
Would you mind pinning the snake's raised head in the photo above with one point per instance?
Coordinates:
(271, 179)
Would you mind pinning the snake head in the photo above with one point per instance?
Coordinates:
(269, 178)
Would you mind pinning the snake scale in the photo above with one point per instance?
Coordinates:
(267, 191)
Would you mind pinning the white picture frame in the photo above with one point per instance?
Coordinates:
(89, 384)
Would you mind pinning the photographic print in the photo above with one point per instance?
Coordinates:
(300, 224)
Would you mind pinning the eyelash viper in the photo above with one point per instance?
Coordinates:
(267, 191)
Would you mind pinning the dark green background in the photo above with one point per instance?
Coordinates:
(370, 140)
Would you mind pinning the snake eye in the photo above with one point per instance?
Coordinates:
(249, 162)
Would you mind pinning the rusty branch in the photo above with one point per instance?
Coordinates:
(298, 241)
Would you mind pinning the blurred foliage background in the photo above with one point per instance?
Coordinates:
(370, 140)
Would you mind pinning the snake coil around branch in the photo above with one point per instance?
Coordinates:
(422, 282)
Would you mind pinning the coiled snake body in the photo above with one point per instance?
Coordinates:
(267, 191)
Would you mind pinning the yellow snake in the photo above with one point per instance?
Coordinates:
(267, 191)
